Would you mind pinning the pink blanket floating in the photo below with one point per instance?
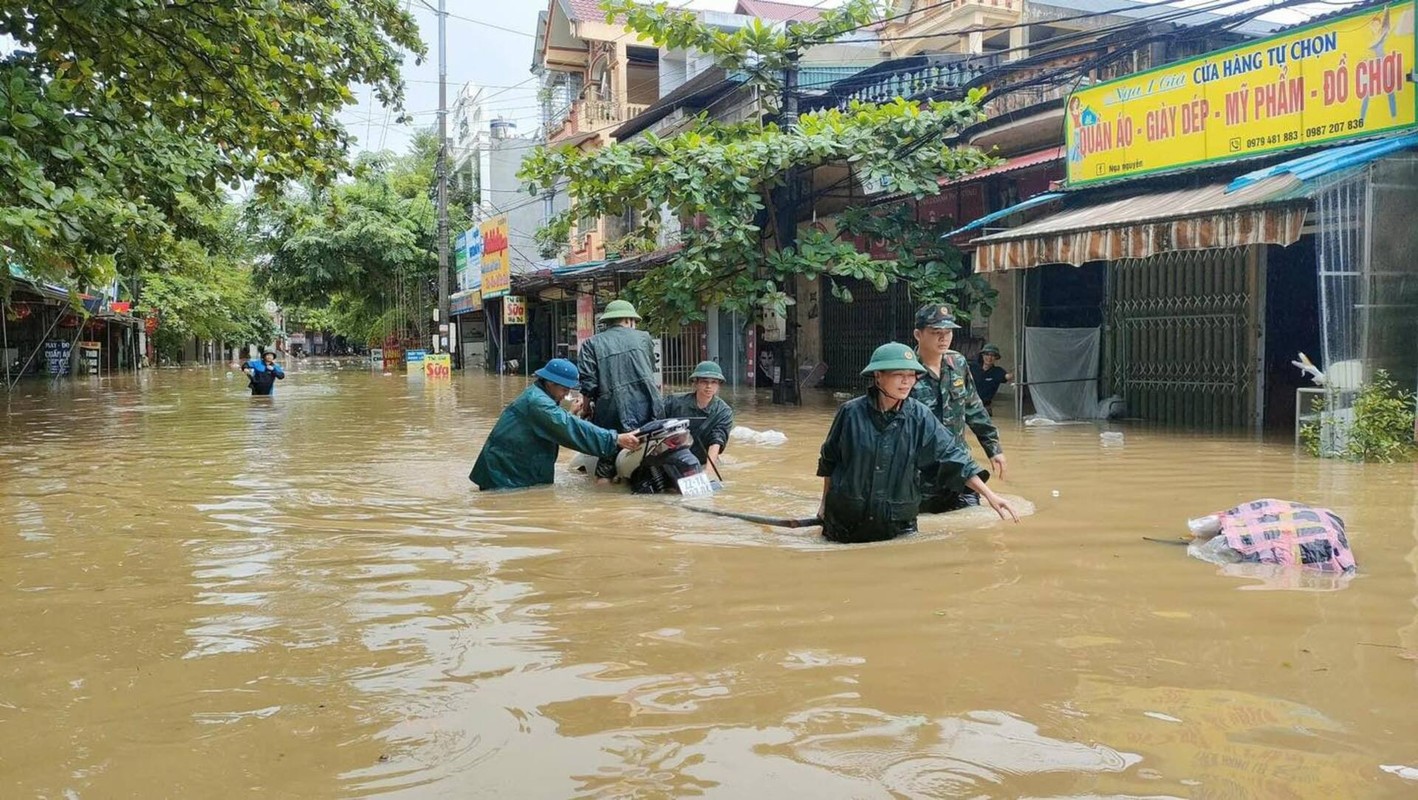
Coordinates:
(1289, 534)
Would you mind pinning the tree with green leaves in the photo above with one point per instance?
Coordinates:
(207, 292)
(362, 252)
(122, 122)
(727, 175)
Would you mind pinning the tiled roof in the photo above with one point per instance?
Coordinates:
(584, 10)
(777, 12)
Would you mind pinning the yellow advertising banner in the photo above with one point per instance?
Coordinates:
(1342, 78)
(438, 366)
(497, 267)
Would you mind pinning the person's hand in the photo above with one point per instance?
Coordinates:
(997, 462)
(628, 441)
(822, 508)
(1001, 506)
(577, 404)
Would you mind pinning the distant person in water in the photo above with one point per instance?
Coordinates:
(989, 375)
(263, 374)
(710, 418)
(522, 448)
(878, 445)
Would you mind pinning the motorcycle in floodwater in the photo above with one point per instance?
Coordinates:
(662, 463)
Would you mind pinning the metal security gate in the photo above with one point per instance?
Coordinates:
(681, 353)
(1181, 337)
(851, 331)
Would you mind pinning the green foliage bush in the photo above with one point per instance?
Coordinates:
(1382, 430)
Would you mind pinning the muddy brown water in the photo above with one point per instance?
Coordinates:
(210, 595)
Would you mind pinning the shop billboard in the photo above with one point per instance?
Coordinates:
(497, 265)
(1336, 79)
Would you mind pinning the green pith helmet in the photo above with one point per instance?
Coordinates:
(619, 309)
(892, 357)
(989, 350)
(707, 369)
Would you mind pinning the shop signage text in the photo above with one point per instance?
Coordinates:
(1343, 78)
(497, 267)
(514, 310)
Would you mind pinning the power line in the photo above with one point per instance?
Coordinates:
(476, 21)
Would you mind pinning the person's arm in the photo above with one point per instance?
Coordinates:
(941, 447)
(999, 504)
(586, 363)
(554, 423)
(828, 458)
(590, 380)
(246, 366)
(983, 425)
(280, 373)
(716, 429)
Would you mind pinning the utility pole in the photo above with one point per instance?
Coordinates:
(441, 318)
(786, 389)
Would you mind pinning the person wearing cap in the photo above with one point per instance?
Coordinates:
(618, 376)
(710, 417)
(523, 446)
(948, 390)
(988, 375)
(877, 446)
(262, 375)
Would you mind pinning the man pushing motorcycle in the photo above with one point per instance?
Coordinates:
(618, 377)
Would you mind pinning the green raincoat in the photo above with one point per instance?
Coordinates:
(952, 398)
(709, 426)
(618, 375)
(523, 446)
(874, 457)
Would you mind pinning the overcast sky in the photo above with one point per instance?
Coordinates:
(490, 44)
(479, 53)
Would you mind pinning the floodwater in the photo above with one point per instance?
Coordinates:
(210, 595)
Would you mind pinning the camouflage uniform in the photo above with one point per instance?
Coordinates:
(952, 399)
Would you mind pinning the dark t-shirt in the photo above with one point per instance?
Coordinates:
(987, 381)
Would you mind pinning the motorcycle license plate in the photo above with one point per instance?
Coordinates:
(696, 486)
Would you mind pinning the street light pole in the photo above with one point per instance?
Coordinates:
(441, 319)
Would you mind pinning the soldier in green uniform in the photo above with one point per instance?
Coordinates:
(618, 376)
(522, 448)
(710, 417)
(948, 390)
(875, 450)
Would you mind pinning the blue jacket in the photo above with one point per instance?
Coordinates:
(262, 380)
(523, 446)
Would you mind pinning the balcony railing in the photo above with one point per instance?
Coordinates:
(949, 8)
(588, 115)
(926, 80)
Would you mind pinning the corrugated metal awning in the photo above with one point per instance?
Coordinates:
(1034, 159)
(1144, 225)
(1262, 207)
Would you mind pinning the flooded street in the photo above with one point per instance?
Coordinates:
(213, 595)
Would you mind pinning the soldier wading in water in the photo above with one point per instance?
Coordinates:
(947, 389)
(878, 446)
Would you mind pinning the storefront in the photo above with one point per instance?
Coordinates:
(466, 310)
(1214, 225)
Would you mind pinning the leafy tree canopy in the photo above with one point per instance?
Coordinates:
(726, 175)
(363, 250)
(120, 118)
(207, 292)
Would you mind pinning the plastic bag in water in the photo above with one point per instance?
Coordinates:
(751, 436)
